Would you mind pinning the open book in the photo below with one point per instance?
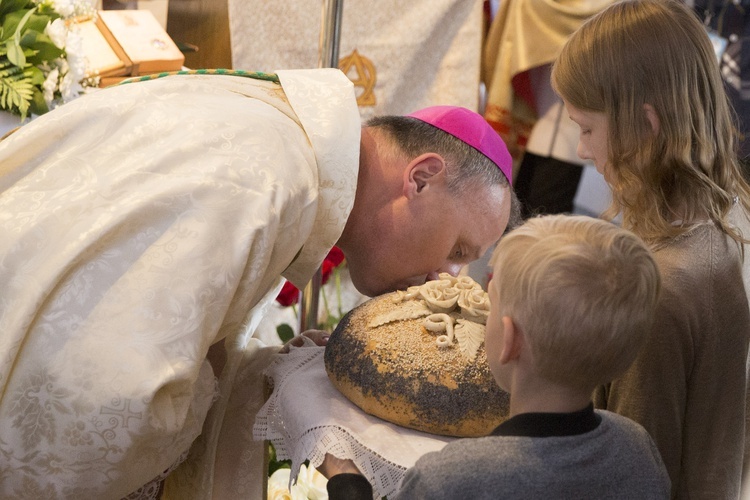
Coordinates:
(122, 43)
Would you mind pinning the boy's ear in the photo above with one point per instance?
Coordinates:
(422, 172)
(512, 341)
(652, 118)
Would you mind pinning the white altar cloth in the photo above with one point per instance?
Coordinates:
(306, 417)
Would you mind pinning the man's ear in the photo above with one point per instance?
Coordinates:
(512, 341)
(652, 118)
(422, 172)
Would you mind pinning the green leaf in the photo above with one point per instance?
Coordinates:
(7, 6)
(47, 9)
(38, 105)
(36, 75)
(44, 49)
(22, 24)
(7, 68)
(11, 23)
(285, 332)
(273, 463)
(15, 53)
(36, 23)
(16, 90)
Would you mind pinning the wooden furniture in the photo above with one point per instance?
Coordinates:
(204, 24)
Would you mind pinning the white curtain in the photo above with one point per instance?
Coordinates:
(401, 56)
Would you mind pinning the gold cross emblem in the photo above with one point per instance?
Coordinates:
(361, 71)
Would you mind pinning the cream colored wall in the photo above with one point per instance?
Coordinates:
(158, 7)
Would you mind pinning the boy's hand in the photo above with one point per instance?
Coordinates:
(332, 466)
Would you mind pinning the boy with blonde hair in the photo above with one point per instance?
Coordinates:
(572, 299)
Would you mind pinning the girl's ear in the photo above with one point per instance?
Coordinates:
(652, 118)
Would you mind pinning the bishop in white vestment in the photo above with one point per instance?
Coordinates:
(139, 226)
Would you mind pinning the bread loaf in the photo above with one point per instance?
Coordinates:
(417, 359)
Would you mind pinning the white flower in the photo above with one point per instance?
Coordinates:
(65, 8)
(50, 85)
(66, 77)
(277, 485)
(311, 485)
(70, 88)
(58, 32)
(75, 56)
(313, 482)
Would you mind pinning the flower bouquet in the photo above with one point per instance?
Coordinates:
(41, 57)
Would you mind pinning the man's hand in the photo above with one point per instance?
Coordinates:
(319, 337)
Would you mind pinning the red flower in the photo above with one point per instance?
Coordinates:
(289, 293)
(332, 260)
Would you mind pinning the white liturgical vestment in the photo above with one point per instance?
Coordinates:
(139, 225)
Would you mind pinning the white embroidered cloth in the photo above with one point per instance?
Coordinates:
(307, 417)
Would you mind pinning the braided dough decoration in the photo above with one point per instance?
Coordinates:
(455, 308)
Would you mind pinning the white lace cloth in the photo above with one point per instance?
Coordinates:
(306, 417)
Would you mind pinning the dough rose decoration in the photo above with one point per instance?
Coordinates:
(455, 309)
(475, 305)
(440, 295)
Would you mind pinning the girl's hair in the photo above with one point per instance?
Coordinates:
(583, 291)
(656, 52)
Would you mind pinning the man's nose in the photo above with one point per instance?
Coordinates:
(452, 269)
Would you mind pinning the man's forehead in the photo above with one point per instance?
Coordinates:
(496, 215)
(476, 243)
